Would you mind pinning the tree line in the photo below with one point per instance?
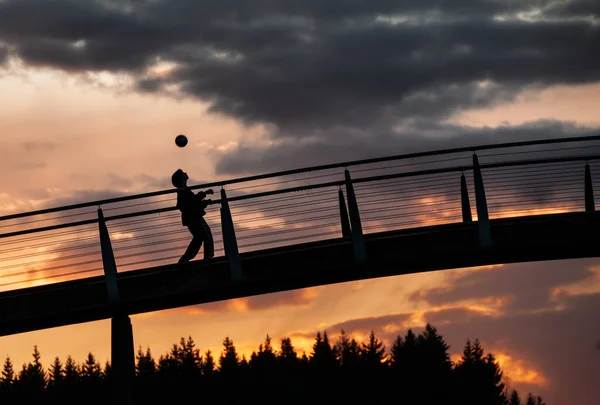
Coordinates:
(416, 369)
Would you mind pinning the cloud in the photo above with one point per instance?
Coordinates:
(31, 165)
(32, 146)
(522, 313)
(326, 82)
(80, 196)
(303, 65)
(119, 181)
(364, 325)
(528, 286)
(36, 194)
(3, 54)
(294, 298)
(526, 343)
(344, 146)
(158, 183)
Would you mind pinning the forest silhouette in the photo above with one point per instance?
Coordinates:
(416, 370)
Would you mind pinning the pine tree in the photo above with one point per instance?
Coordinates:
(410, 349)
(91, 371)
(265, 360)
(229, 361)
(288, 358)
(145, 365)
(8, 373)
(397, 353)
(495, 377)
(345, 372)
(304, 360)
(479, 377)
(208, 367)
(107, 372)
(514, 398)
(434, 368)
(531, 400)
(189, 358)
(288, 353)
(72, 375)
(55, 374)
(7, 381)
(348, 352)
(373, 353)
(405, 362)
(32, 378)
(244, 365)
(433, 347)
(144, 388)
(323, 357)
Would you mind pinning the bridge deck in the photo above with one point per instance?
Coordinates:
(522, 239)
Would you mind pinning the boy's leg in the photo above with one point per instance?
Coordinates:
(209, 245)
(194, 246)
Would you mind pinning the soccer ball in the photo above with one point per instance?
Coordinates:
(181, 140)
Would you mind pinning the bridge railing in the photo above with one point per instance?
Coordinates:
(287, 208)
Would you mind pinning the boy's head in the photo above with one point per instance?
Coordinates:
(179, 178)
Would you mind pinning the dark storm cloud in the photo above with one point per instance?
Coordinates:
(528, 285)
(303, 65)
(343, 146)
(581, 8)
(330, 81)
(357, 75)
(3, 54)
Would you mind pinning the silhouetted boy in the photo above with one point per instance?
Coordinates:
(192, 212)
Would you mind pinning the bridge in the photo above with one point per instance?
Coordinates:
(434, 210)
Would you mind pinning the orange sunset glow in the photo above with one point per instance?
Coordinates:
(91, 115)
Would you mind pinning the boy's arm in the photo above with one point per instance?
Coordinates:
(202, 194)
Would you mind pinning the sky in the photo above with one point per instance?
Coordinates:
(92, 94)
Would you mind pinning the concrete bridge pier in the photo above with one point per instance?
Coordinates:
(122, 358)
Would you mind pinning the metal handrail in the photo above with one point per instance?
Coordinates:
(338, 183)
(306, 169)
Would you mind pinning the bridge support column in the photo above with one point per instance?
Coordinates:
(122, 358)
(483, 220)
(229, 239)
(358, 240)
(122, 353)
(590, 206)
(464, 199)
(346, 232)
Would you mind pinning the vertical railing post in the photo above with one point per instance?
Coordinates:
(346, 232)
(122, 353)
(108, 262)
(464, 199)
(229, 239)
(483, 220)
(590, 206)
(358, 240)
